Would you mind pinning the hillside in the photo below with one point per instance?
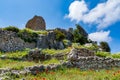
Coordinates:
(27, 52)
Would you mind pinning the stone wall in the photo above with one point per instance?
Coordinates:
(90, 61)
(93, 62)
(9, 41)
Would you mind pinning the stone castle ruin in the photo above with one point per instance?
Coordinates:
(36, 23)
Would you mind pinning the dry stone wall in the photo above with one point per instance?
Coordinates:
(89, 61)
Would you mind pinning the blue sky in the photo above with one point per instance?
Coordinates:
(98, 17)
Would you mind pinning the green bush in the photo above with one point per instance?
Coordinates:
(12, 28)
(79, 35)
(102, 54)
(59, 35)
(28, 35)
(105, 47)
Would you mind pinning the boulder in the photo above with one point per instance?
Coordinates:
(36, 23)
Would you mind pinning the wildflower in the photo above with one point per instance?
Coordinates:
(35, 79)
(51, 72)
(118, 71)
(114, 74)
(44, 79)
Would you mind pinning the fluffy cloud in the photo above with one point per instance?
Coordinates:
(100, 36)
(77, 10)
(104, 14)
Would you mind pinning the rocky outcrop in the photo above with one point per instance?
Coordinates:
(49, 41)
(9, 41)
(68, 33)
(36, 23)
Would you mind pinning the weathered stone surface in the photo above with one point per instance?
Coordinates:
(93, 62)
(9, 41)
(49, 41)
(68, 33)
(36, 55)
(76, 53)
(36, 23)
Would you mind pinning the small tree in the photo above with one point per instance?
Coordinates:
(59, 35)
(80, 36)
(105, 47)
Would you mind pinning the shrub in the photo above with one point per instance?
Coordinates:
(104, 46)
(28, 35)
(12, 28)
(59, 35)
(80, 36)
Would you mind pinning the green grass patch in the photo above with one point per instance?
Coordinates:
(53, 51)
(51, 61)
(103, 54)
(117, 55)
(15, 54)
(7, 63)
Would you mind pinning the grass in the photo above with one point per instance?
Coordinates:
(53, 51)
(103, 54)
(44, 32)
(17, 65)
(76, 74)
(53, 60)
(15, 54)
(117, 55)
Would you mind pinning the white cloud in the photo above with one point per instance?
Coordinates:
(77, 10)
(104, 14)
(100, 36)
